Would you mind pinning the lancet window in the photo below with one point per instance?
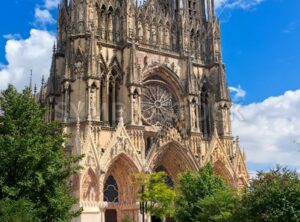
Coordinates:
(205, 117)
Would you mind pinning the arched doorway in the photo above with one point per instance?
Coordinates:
(221, 170)
(174, 159)
(119, 192)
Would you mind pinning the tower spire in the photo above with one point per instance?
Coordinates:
(30, 80)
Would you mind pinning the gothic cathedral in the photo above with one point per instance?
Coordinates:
(141, 87)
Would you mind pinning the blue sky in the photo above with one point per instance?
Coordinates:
(261, 50)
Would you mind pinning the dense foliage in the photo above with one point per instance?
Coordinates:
(204, 196)
(272, 196)
(156, 193)
(17, 211)
(34, 168)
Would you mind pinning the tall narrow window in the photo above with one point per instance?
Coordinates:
(111, 104)
(205, 112)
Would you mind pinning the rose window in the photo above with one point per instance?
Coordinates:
(159, 105)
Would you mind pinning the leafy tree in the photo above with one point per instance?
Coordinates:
(221, 206)
(33, 165)
(155, 192)
(17, 211)
(272, 196)
(204, 196)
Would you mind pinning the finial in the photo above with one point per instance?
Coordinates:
(43, 80)
(30, 80)
(238, 140)
(54, 47)
(35, 89)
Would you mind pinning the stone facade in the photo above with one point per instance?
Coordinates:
(141, 87)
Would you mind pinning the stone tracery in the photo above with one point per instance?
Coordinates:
(159, 105)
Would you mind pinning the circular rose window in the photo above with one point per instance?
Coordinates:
(159, 105)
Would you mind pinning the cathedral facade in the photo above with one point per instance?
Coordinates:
(141, 87)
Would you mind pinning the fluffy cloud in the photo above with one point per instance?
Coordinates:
(43, 17)
(22, 55)
(270, 130)
(244, 4)
(238, 93)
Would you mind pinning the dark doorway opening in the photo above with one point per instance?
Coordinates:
(155, 219)
(110, 216)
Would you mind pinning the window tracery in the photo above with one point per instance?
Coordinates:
(159, 105)
(111, 191)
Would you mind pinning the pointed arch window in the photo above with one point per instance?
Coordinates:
(111, 191)
(113, 98)
(205, 112)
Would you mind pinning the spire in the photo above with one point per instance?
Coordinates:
(30, 80)
(52, 78)
(41, 96)
(54, 48)
(35, 91)
(223, 93)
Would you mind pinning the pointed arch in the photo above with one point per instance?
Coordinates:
(221, 169)
(205, 111)
(90, 186)
(167, 75)
(174, 157)
(122, 168)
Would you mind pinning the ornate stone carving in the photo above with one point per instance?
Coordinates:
(153, 52)
(159, 105)
(90, 188)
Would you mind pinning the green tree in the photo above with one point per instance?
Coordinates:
(158, 195)
(17, 211)
(33, 165)
(127, 219)
(272, 196)
(221, 206)
(204, 196)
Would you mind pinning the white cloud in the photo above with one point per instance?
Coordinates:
(269, 130)
(43, 17)
(238, 93)
(244, 4)
(50, 4)
(291, 27)
(22, 55)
